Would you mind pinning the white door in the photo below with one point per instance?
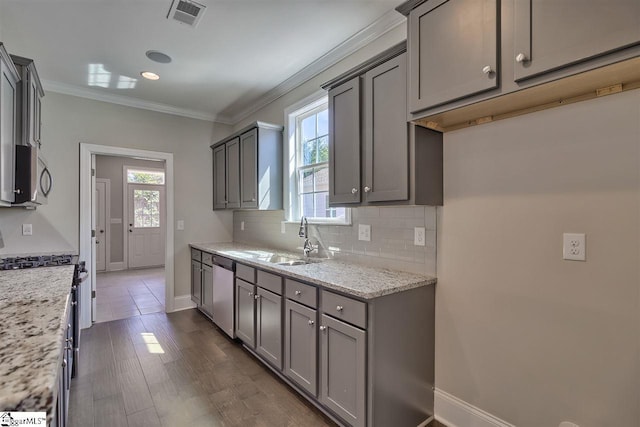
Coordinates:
(146, 225)
(101, 225)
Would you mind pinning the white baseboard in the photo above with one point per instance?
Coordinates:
(182, 302)
(455, 412)
(116, 266)
(425, 422)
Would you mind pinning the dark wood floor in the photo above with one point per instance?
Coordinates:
(178, 369)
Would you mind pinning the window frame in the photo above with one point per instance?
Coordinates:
(291, 161)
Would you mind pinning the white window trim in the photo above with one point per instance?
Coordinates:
(290, 181)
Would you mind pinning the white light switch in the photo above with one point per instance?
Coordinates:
(364, 232)
(180, 225)
(574, 246)
(419, 236)
(241, 225)
(27, 230)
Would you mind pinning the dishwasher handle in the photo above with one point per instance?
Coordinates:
(223, 262)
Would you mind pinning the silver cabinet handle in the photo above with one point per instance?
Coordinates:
(487, 69)
(521, 57)
(64, 363)
(250, 294)
(367, 189)
(339, 308)
(311, 322)
(256, 296)
(323, 328)
(74, 303)
(354, 190)
(298, 293)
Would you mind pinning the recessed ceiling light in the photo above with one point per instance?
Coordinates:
(157, 56)
(149, 75)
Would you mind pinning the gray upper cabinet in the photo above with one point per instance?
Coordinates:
(269, 327)
(233, 173)
(252, 169)
(245, 312)
(301, 348)
(453, 51)
(386, 144)
(553, 34)
(9, 79)
(344, 143)
(343, 369)
(219, 178)
(29, 111)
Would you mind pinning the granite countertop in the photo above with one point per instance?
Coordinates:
(352, 279)
(34, 304)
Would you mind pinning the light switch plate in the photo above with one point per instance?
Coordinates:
(241, 225)
(180, 224)
(419, 236)
(27, 230)
(364, 232)
(574, 246)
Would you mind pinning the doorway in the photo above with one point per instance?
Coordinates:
(88, 246)
(102, 195)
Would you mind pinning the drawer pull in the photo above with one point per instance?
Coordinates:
(298, 293)
(311, 322)
(339, 308)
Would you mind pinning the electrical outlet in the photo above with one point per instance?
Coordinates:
(241, 225)
(283, 227)
(574, 246)
(364, 232)
(419, 236)
(27, 230)
(180, 224)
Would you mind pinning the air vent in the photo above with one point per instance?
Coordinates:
(186, 12)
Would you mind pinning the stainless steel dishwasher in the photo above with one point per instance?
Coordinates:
(223, 301)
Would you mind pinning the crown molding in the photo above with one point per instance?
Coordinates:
(128, 101)
(381, 26)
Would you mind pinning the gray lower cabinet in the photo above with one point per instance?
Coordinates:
(246, 312)
(344, 143)
(9, 80)
(301, 346)
(196, 282)
(251, 169)
(343, 367)
(269, 326)
(219, 177)
(207, 290)
(453, 50)
(553, 34)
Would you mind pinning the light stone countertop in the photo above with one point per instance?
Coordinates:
(352, 279)
(34, 304)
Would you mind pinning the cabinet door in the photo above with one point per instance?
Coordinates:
(453, 51)
(300, 349)
(249, 169)
(269, 327)
(233, 173)
(553, 34)
(245, 312)
(386, 139)
(343, 370)
(219, 178)
(344, 143)
(8, 100)
(207, 289)
(196, 282)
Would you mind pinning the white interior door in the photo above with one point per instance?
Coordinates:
(101, 225)
(92, 264)
(146, 225)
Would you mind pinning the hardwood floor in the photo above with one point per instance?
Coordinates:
(178, 369)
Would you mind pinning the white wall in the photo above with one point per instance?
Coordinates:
(69, 120)
(520, 333)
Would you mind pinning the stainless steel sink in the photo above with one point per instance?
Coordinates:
(286, 260)
(294, 262)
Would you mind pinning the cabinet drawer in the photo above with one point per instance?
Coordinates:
(270, 282)
(344, 308)
(299, 292)
(207, 258)
(196, 255)
(248, 274)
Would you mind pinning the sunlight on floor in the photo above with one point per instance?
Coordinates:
(153, 346)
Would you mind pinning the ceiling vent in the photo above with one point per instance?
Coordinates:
(186, 12)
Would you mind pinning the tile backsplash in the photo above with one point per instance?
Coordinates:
(391, 246)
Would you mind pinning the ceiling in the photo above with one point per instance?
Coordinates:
(240, 53)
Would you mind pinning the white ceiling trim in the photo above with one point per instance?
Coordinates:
(382, 25)
(128, 101)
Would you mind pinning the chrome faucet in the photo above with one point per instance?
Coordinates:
(308, 247)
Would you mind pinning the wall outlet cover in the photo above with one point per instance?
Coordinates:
(364, 232)
(419, 238)
(180, 224)
(27, 229)
(574, 246)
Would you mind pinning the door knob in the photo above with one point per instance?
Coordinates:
(354, 190)
(487, 69)
(102, 231)
(130, 231)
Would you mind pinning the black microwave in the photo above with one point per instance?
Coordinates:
(33, 180)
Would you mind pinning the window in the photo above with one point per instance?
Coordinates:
(146, 208)
(135, 176)
(309, 167)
